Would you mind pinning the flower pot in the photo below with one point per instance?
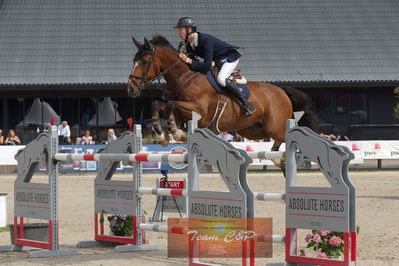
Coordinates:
(33, 231)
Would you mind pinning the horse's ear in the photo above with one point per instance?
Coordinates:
(136, 42)
(147, 44)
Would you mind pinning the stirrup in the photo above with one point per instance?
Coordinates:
(248, 111)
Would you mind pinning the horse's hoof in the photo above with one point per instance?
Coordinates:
(179, 135)
(160, 137)
(280, 164)
(164, 143)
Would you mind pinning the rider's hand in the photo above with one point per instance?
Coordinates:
(185, 58)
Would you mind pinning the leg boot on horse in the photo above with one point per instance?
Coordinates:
(176, 132)
(156, 109)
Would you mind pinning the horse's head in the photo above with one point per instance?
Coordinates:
(144, 70)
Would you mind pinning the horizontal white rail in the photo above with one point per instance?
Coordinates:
(153, 228)
(149, 156)
(278, 239)
(266, 154)
(163, 191)
(269, 196)
(134, 157)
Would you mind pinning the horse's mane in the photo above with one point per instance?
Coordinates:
(162, 41)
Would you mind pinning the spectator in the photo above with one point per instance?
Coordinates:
(87, 139)
(12, 139)
(226, 136)
(237, 137)
(110, 135)
(326, 136)
(1, 137)
(331, 137)
(64, 133)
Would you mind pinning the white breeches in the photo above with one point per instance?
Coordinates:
(225, 71)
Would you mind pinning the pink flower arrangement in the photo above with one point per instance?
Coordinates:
(324, 233)
(322, 255)
(327, 244)
(308, 237)
(335, 241)
(316, 238)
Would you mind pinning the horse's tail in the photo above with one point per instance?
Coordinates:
(302, 102)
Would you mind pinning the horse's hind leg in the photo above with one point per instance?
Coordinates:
(281, 162)
(275, 128)
(177, 133)
(161, 137)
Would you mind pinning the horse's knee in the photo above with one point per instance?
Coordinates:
(169, 108)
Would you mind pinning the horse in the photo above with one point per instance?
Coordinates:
(188, 90)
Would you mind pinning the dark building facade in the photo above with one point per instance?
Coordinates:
(72, 54)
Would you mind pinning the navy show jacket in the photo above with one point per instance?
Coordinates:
(211, 49)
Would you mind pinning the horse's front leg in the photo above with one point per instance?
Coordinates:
(156, 122)
(177, 133)
(161, 137)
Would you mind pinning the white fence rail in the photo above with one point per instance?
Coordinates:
(363, 150)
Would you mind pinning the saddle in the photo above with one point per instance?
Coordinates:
(236, 76)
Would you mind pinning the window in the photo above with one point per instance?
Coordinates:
(338, 111)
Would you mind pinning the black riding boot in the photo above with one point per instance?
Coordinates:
(234, 90)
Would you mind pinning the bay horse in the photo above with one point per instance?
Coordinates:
(189, 91)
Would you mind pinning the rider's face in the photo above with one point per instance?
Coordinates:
(182, 33)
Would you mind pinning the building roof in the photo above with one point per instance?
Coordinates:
(47, 42)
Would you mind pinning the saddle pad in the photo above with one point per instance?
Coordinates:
(244, 88)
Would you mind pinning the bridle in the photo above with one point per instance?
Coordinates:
(144, 82)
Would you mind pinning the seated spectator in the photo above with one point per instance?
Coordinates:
(78, 141)
(64, 133)
(226, 136)
(87, 139)
(237, 137)
(325, 135)
(12, 139)
(1, 137)
(333, 137)
(110, 135)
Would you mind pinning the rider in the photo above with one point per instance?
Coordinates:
(211, 49)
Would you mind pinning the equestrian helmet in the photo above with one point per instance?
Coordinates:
(187, 22)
